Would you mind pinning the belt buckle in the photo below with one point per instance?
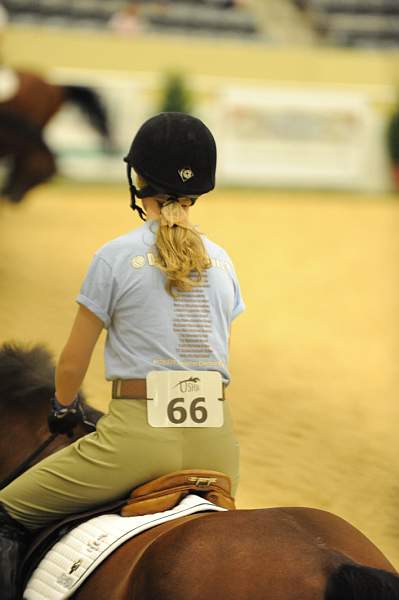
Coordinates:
(117, 389)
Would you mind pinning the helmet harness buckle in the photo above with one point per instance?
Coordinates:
(133, 193)
(148, 191)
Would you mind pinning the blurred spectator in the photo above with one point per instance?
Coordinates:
(127, 20)
(226, 3)
(212, 3)
(3, 25)
(393, 144)
(301, 4)
(222, 3)
(3, 17)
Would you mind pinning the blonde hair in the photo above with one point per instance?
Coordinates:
(181, 251)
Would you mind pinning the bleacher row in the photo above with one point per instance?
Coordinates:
(359, 23)
(61, 11)
(178, 15)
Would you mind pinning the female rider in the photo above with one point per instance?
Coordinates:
(167, 296)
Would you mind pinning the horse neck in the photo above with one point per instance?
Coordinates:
(23, 430)
(37, 98)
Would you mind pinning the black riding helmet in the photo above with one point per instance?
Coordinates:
(175, 154)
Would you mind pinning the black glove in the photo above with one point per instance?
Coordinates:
(63, 419)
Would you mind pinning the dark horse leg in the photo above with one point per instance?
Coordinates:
(30, 160)
(27, 170)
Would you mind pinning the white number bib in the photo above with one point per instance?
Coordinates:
(185, 399)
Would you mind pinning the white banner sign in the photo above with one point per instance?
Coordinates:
(301, 138)
(267, 136)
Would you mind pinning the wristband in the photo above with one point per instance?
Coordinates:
(58, 406)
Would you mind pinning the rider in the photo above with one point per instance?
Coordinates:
(167, 296)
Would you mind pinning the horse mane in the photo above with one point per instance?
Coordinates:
(27, 375)
(351, 581)
(25, 371)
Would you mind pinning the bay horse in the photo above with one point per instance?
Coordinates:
(26, 110)
(264, 554)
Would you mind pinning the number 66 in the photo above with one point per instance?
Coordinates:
(178, 414)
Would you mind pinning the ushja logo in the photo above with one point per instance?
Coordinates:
(189, 385)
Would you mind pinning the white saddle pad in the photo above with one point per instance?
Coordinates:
(9, 84)
(71, 560)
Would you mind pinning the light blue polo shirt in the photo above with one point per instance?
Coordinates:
(147, 329)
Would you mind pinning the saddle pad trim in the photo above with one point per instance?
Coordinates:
(72, 559)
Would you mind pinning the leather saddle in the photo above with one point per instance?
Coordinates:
(166, 492)
(154, 496)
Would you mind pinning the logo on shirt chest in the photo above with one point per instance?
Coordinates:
(141, 260)
(144, 260)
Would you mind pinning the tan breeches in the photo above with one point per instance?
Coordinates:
(105, 465)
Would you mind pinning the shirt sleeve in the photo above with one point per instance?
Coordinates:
(239, 305)
(97, 290)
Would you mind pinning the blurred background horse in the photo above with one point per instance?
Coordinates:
(24, 113)
(280, 553)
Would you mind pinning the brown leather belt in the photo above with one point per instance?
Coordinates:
(132, 389)
(129, 389)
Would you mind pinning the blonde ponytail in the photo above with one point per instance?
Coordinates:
(181, 252)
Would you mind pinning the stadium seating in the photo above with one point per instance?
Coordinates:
(364, 23)
(360, 23)
(201, 16)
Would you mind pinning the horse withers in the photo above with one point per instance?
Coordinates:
(290, 553)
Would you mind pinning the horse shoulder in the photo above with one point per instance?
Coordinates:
(119, 576)
(235, 554)
(334, 532)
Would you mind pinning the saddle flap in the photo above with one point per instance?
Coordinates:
(165, 492)
(150, 505)
(196, 479)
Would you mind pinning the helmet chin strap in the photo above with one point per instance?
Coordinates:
(149, 191)
(133, 193)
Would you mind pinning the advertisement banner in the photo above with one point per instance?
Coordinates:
(301, 138)
(292, 137)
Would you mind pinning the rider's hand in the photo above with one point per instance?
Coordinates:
(63, 419)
